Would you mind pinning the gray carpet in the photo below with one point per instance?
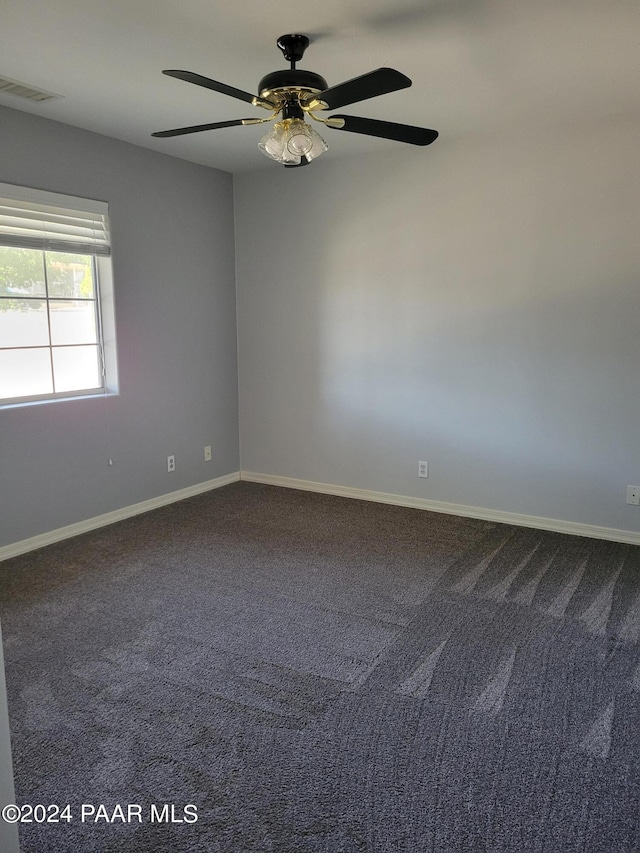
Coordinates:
(320, 675)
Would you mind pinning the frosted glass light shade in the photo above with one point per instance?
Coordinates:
(318, 147)
(299, 140)
(291, 139)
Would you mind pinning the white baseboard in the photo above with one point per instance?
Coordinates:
(557, 525)
(573, 528)
(25, 545)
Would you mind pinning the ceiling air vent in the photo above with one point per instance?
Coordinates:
(23, 90)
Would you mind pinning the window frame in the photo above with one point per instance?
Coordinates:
(103, 297)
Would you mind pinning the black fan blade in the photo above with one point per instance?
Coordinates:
(369, 85)
(387, 130)
(208, 83)
(196, 128)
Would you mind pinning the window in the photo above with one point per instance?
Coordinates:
(56, 308)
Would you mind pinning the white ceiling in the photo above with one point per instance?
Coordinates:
(478, 66)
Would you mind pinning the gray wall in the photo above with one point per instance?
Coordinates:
(173, 265)
(475, 304)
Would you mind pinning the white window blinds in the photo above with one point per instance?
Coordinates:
(32, 219)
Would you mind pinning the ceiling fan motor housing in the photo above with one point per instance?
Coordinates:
(278, 84)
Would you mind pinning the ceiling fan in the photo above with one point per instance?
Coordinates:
(294, 94)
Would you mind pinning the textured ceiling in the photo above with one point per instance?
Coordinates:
(478, 66)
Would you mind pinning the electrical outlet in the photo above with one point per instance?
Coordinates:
(171, 463)
(633, 495)
(207, 453)
(423, 469)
